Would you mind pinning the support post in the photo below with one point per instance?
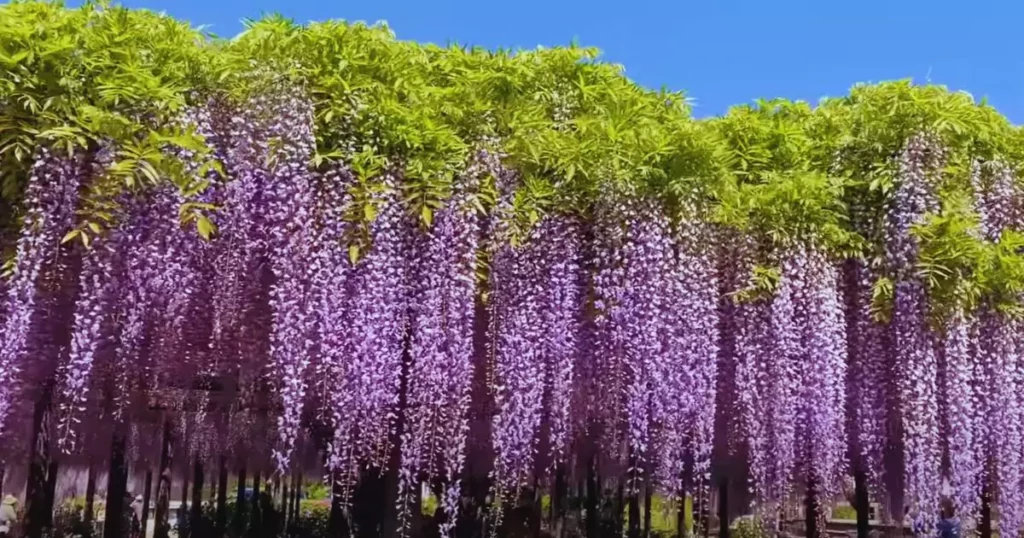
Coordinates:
(90, 496)
(286, 503)
(196, 515)
(634, 510)
(681, 529)
(863, 502)
(337, 525)
(723, 508)
(647, 509)
(163, 487)
(985, 526)
(558, 502)
(36, 497)
(256, 518)
(297, 493)
(593, 516)
(240, 504)
(117, 485)
(144, 520)
(811, 508)
(222, 499)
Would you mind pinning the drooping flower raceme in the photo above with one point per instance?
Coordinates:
(376, 333)
(443, 287)
(822, 363)
(993, 185)
(688, 377)
(517, 290)
(562, 311)
(635, 327)
(869, 383)
(50, 201)
(790, 370)
(91, 330)
(986, 379)
(537, 294)
(916, 364)
(290, 205)
(960, 417)
(1000, 417)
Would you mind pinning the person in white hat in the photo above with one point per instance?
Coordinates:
(136, 515)
(8, 515)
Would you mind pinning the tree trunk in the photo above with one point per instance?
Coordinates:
(240, 504)
(593, 514)
(634, 505)
(337, 526)
(163, 487)
(647, 509)
(51, 492)
(36, 497)
(811, 509)
(145, 502)
(117, 485)
(256, 518)
(222, 499)
(90, 496)
(196, 515)
(286, 503)
(723, 508)
(985, 526)
(558, 503)
(681, 529)
(863, 504)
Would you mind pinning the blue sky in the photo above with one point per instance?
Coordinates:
(720, 52)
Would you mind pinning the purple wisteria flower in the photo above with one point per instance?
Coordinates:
(869, 385)
(961, 420)
(51, 198)
(916, 370)
(688, 376)
(440, 372)
(822, 361)
(367, 391)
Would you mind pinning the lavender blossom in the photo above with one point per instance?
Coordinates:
(916, 364)
(440, 371)
(50, 200)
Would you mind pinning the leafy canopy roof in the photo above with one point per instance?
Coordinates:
(573, 127)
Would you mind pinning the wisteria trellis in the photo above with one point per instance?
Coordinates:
(612, 336)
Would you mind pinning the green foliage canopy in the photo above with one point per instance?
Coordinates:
(573, 127)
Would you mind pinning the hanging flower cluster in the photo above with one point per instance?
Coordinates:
(635, 329)
(687, 395)
(914, 344)
(869, 408)
(442, 304)
(50, 201)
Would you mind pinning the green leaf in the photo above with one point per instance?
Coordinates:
(204, 226)
(369, 212)
(71, 235)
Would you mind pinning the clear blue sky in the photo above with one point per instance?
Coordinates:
(720, 52)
